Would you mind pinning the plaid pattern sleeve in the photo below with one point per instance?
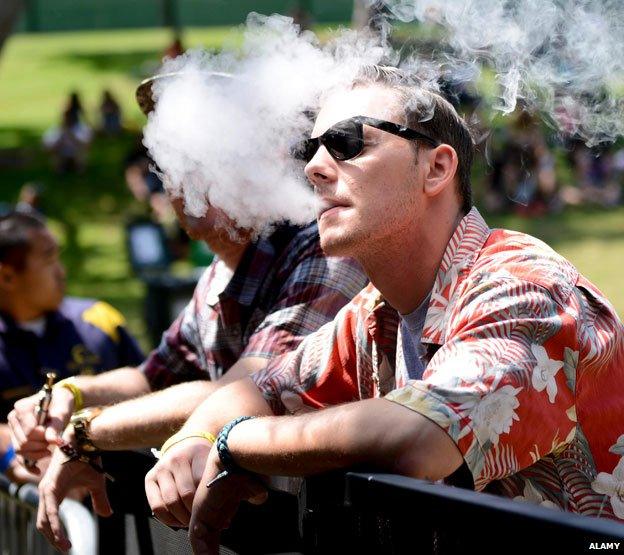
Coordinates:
(177, 358)
(312, 289)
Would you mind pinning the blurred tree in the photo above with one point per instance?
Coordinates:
(9, 12)
(170, 15)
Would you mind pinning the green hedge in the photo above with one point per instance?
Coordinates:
(65, 15)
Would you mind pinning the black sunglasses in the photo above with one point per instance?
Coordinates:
(345, 139)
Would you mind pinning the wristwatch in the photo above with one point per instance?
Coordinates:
(81, 421)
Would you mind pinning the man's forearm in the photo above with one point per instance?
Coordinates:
(377, 432)
(149, 420)
(241, 398)
(112, 387)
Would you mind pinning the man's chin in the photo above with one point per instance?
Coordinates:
(337, 246)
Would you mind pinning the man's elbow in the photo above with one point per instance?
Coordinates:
(427, 453)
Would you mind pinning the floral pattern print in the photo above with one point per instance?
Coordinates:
(613, 486)
(543, 376)
(525, 369)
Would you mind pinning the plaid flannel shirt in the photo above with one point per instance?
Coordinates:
(283, 289)
(524, 369)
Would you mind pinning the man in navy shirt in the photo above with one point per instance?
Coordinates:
(40, 330)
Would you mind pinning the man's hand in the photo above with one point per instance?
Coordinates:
(32, 441)
(215, 506)
(61, 477)
(170, 486)
(19, 474)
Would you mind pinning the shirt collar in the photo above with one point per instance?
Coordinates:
(460, 255)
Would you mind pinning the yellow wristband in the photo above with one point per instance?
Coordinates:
(68, 383)
(177, 438)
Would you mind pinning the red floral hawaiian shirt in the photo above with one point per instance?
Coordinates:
(524, 369)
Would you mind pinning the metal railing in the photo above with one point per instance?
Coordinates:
(18, 515)
(349, 513)
(389, 514)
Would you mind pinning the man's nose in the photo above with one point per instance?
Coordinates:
(322, 169)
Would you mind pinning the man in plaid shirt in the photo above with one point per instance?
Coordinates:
(475, 354)
(257, 299)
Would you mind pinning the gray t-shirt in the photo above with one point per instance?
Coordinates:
(411, 332)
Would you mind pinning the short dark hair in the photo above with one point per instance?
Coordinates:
(15, 240)
(430, 113)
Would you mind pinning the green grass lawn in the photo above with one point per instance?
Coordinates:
(88, 211)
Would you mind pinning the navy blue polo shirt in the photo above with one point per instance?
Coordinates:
(83, 337)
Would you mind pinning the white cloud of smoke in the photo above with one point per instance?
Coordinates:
(563, 57)
(224, 141)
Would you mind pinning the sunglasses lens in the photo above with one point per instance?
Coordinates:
(344, 140)
(305, 150)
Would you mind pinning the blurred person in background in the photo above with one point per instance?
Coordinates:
(597, 173)
(74, 108)
(68, 144)
(29, 199)
(523, 170)
(41, 330)
(110, 114)
(144, 182)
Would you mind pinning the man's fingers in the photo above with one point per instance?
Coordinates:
(100, 501)
(53, 431)
(185, 485)
(48, 521)
(42, 519)
(204, 540)
(28, 464)
(22, 420)
(17, 433)
(172, 499)
(155, 500)
(212, 514)
(34, 450)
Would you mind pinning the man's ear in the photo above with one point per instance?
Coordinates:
(441, 169)
(8, 277)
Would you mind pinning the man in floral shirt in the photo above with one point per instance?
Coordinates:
(514, 375)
